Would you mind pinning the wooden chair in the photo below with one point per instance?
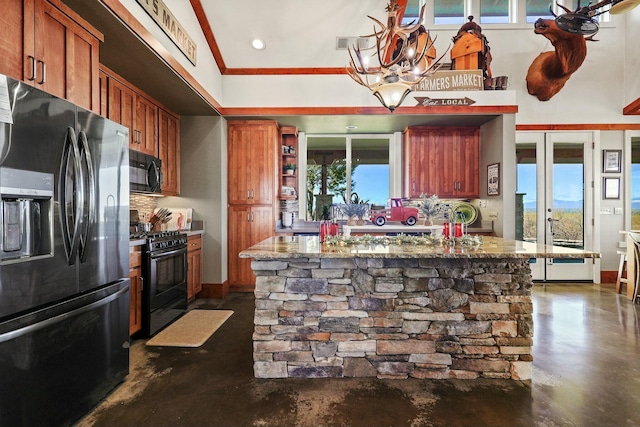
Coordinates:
(622, 271)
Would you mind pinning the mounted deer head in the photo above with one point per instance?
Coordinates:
(549, 72)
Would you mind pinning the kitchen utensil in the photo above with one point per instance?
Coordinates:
(134, 217)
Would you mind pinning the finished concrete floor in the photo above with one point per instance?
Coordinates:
(586, 372)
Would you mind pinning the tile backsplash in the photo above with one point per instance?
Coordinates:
(144, 204)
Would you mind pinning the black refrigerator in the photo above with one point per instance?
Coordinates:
(64, 246)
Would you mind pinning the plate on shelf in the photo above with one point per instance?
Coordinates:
(468, 210)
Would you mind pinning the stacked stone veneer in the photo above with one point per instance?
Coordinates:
(393, 318)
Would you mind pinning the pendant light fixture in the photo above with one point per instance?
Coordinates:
(404, 57)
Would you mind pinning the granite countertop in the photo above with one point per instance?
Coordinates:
(492, 247)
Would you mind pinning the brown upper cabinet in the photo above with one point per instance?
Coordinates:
(169, 152)
(145, 126)
(442, 161)
(252, 148)
(47, 45)
(153, 129)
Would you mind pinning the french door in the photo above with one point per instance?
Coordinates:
(555, 181)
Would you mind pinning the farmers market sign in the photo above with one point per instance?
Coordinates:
(170, 25)
(452, 80)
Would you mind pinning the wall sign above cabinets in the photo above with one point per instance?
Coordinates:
(170, 25)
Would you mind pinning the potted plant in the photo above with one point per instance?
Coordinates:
(431, 207)
(290, 168)
(356, 210)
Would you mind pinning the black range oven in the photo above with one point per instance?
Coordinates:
(164, 264)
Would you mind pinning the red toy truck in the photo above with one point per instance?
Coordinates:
(397, 212)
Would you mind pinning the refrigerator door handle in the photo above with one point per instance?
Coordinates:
(60, 317)
(71, 159)
(88, 214)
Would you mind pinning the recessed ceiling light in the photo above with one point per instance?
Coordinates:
(258, 44)
(352, 127)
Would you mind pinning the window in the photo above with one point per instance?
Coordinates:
(370, 170)
(340, 166)
(537, 9)
(494, 11)
(449, 12)
(456, 12)
(411, 12)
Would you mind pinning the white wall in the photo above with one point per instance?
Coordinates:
(497, 143)
(205, 71)
(203, 187)
(610, 223)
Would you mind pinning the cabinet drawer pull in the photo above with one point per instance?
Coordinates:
(33, 68)
(44, 72)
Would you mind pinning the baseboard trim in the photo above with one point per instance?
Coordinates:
(608, 276)
(242, 288)
(214, 290)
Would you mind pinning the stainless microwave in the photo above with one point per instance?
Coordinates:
(145, 173)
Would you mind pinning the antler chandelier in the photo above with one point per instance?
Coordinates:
(403, 58)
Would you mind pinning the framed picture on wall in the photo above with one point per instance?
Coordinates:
(493, 179)
(612, 161)
(611, 188)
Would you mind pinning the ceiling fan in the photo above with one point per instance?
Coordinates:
(582, 20)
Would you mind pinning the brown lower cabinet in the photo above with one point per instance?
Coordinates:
(135, 276)
(194, 259)
(248, 225)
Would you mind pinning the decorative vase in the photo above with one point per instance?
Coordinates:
(289, 171)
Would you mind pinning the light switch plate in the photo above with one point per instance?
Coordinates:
(617, 211)
(605, 211)
(482, 203)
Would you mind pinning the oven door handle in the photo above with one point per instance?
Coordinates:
(156, 255)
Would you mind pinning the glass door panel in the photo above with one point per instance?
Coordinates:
(568, 203)
(530, 193)
(556, 202)
(635, 183)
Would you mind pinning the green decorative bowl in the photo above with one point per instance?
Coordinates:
(469, 212)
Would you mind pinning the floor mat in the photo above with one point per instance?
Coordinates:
(192, 329)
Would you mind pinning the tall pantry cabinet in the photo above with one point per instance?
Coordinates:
(252, 185)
